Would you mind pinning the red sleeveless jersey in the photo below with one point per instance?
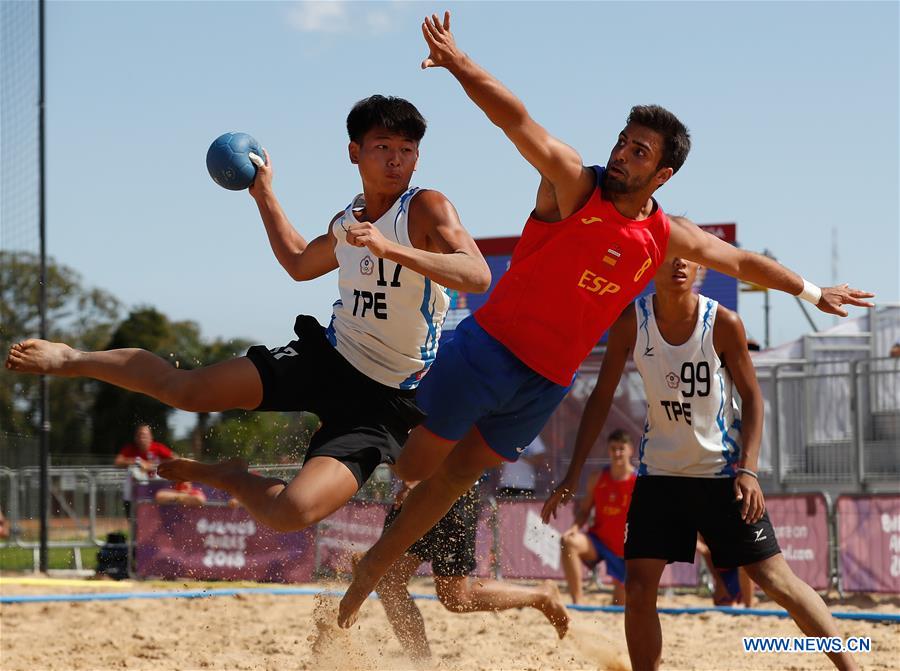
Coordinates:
(568, 281)
(611, 501)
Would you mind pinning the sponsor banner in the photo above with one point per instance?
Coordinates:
(681, 574)
(528, 547)
(352, 529)
(355, 528)
(869, 543)
(801, 527)
(218, 543)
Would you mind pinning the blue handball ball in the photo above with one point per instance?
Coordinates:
(228, 160)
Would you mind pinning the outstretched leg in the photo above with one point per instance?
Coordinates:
(424, 507)
(322, 486)
(777, 580)
(461, 594)
(222, 386)
(422, 454)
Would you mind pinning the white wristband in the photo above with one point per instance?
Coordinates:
(811, 292)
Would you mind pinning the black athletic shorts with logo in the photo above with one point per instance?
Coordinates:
(666, 513)
(364, 423)
(450, 544)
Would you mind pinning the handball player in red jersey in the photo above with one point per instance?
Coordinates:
(593, 241)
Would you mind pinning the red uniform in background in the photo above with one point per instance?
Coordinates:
(155, 453)
(611, 501)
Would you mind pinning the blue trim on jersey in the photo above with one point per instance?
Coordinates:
(645, 313)
(731, 451)
(403, 200)
(329, 332)
(706, 315)
(428, 351)
(642, 467)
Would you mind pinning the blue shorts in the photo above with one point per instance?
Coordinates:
(615, 565)
(732, 582)
(476, 381)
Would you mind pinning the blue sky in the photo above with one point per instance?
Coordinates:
(793, 109)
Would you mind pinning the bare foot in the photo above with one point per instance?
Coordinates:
(554, 609)
(362, 585)
(41, 357)
(218, 475)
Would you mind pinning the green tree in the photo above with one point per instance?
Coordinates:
(116, 411)
(261, 437)
(80, 316)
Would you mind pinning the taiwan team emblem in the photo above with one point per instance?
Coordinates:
(672, 381)
(367, 265)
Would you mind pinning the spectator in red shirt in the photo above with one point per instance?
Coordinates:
(144, 454)
(609, 494)
(144, 451)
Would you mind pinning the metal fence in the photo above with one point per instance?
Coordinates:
(833, 421)
(87, 503)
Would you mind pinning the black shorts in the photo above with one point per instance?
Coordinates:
(450, 544)
(364, 423)
(666, 513)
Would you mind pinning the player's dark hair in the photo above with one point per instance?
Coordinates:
(395, 115)
(676, 138)
(619, 436)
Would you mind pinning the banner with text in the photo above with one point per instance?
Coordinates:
(801, 527)
(869, 542)
(218, 543)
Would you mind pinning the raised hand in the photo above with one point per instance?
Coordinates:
(442, 49)
(834, 297)
(263, 180)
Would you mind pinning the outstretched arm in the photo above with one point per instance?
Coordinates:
(301, 259)
(689, 241)
(445, 251)
(559, 163)
(620, 344)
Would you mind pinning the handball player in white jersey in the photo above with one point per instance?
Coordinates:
(698, 457)
(396, 248)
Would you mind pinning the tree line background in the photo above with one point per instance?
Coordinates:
(91, 420)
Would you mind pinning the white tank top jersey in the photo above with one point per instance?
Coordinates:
(387, 321)
(693, 423)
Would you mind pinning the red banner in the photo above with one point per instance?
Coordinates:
(218, 543)
(801, 527)
(869, 542)
(351, 529)
(528, 547)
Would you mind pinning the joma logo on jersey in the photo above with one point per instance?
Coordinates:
(597, 284)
